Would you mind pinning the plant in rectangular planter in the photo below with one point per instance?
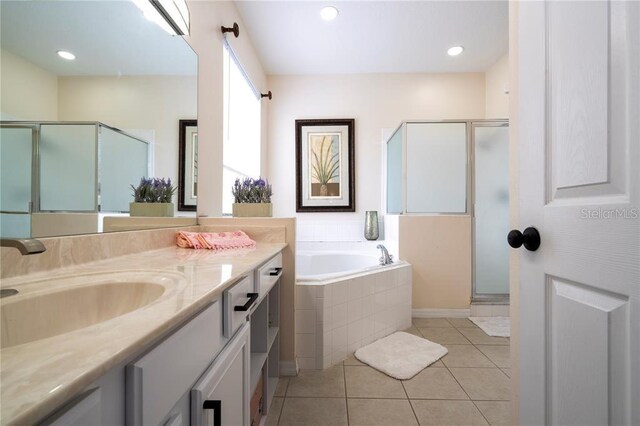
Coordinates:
(152, 198)
(252, 198)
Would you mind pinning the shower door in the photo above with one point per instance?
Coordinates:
(490, 144)
(17, 144)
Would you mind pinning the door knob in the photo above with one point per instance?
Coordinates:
(530, 238)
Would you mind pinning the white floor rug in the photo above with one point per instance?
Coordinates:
(401, 355)
(494, 326)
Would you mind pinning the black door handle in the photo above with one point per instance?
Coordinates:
(530, 238)
(252, 298)
(216, 406)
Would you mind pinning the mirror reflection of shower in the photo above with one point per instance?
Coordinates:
(40, 189)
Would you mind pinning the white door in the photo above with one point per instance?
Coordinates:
(579, 143)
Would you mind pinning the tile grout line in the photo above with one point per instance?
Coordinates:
(409, 400)
(454, 377)
(389, 398)
(463, 389)
(474, 402)
(284, 399)
(466, 393)
(346, 398)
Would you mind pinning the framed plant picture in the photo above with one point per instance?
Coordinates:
(188, 165)
(325, 166)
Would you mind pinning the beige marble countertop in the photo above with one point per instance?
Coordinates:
(37, 377)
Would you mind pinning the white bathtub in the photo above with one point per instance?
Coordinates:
(346, 300)
(324, 266)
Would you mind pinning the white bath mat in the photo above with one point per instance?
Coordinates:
(494, 326)
(401, 355)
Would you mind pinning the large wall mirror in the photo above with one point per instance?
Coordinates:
(92, 96)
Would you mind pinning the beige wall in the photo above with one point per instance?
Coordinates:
(497, 81)
(134, 102)
(439, 249)
(375, 101)
(27, 91)
(206, 40)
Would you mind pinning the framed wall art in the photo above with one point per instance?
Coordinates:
(325, 165)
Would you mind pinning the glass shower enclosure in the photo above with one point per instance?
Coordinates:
(457, 167)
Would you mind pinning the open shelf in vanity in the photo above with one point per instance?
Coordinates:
(265, 336)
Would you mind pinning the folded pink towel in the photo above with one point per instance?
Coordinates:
(214, 241)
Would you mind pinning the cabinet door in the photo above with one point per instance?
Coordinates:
(221, 396)
(157, 380)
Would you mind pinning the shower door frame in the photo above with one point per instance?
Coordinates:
(35, 176)
(481, 298)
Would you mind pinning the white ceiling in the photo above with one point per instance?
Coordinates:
(107, 37)
(376, 36)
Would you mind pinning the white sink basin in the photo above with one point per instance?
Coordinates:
(35, 315)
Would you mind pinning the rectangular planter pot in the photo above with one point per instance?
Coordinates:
(252, 210)
(151, 209)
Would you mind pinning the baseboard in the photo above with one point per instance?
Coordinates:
(440, 313)
(289, 368)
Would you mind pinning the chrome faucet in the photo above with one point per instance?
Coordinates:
(386, 258)
(24, 245)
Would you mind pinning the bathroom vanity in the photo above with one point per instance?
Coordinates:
(194, 342)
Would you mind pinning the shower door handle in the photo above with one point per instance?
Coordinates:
(530, 238)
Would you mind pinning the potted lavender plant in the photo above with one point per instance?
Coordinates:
(152, 197)
(252, 198)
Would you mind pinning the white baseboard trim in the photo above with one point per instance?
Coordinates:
(289, 368)
(440, 313)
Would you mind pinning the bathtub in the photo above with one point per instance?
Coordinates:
(346, 300)
(325, 266)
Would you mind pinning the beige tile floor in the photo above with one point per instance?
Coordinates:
(468, 386)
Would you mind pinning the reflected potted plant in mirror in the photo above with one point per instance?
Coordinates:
(252, 198)
(152, 198)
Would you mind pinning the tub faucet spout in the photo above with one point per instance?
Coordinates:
(25, 246)
(386, 258)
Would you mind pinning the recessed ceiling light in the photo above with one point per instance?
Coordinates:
(455, 50)
(329, 13)
(66, 55)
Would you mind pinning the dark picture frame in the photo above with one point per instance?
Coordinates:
(187, 173)
(325, 165)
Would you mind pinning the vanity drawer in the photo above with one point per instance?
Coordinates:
(238, 301)
(157, 380)
(268, 274)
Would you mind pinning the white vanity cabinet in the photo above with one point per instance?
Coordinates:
(202, 373)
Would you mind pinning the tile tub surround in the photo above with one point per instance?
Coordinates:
(39, 376)
(336, 318)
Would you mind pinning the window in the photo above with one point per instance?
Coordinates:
(241, 148)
